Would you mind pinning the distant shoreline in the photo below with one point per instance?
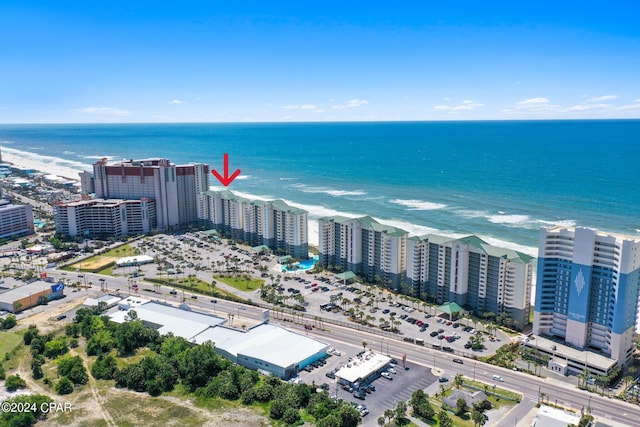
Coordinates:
(40, 166)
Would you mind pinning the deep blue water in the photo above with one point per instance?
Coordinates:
(501, 180)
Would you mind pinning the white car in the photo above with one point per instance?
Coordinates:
(386, 375)
(498, 378)
(392, 370)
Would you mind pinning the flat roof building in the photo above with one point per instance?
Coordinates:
(27, 295)
(15, 220)
(169, 319)
(588, 283)
(176, 190)
(264, 347)
(472, 273)
(363, 368)
(273, 349)
(365, 247)
(280, 227)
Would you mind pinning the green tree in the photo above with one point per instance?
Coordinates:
(104, 368)
(291, 416)
(330, 420)
(25, 418)
(73, 368)
(14, 382)
(64, 386)
(458, 380)
(277, 409)
(101, 342)
(349, 416)
(56, 347)
(8, 322)
(479, 419)
(445, 420)
(461, 406)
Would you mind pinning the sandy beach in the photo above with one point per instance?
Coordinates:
(48, 165)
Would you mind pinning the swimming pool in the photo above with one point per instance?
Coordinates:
(304, 265)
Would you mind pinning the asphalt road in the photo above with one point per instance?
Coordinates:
(531, 387)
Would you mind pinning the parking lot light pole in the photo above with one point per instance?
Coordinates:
(240, 308)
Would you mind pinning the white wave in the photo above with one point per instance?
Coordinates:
(44, 163)
(328, 190)
(419, 205)
(515, 220)
(287, 179)
(243, 176)
(509, 219)
(68, 152)
(110, 158)
(316, 212)
(529, 250)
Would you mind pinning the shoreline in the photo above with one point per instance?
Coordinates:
(51, 165)
(39, 163)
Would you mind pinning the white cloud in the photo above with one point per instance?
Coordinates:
(466, 105)
(532, 103)
(300, 107)
(354, 103)
(631, 106)
(177, 101)
(357, 103)
(318, 110)
(585, 107)
(602, 98)
(104, 111)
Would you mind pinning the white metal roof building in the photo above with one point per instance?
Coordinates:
(134, 260)
(272, 348)
(265, 347)
(362, 368)
(108, 300)
(168, 319)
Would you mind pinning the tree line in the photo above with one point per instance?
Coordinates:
(173, 361)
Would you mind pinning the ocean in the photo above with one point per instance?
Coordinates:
(500, 180)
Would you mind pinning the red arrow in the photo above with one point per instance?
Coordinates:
(226, 179)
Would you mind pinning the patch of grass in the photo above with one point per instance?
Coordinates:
(495, 400)
(128, 411)
(103, 262)
(241, 283)
(195, 285)
(8, 341)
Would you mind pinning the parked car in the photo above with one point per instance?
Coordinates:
(443, 379)
(386, 375)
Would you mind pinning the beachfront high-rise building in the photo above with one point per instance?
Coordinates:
(281, 227)
(472, 273)
(365, 247)
(587, 290)
(105, 217)
(175, 189)
(15, 220)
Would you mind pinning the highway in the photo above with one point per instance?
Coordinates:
(532, 388)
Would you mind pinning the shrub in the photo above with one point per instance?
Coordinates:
(14, 382)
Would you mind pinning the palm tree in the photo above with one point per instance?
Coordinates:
(479, 419)
(458, 380)
(364, 345)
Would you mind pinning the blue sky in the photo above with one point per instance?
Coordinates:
(139, 61)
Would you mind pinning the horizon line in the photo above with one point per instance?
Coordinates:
(575, 119)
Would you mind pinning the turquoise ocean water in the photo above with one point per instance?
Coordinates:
(501, 180)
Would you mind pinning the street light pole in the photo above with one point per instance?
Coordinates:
(474, 370)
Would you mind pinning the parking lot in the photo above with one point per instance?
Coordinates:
(384, 394)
